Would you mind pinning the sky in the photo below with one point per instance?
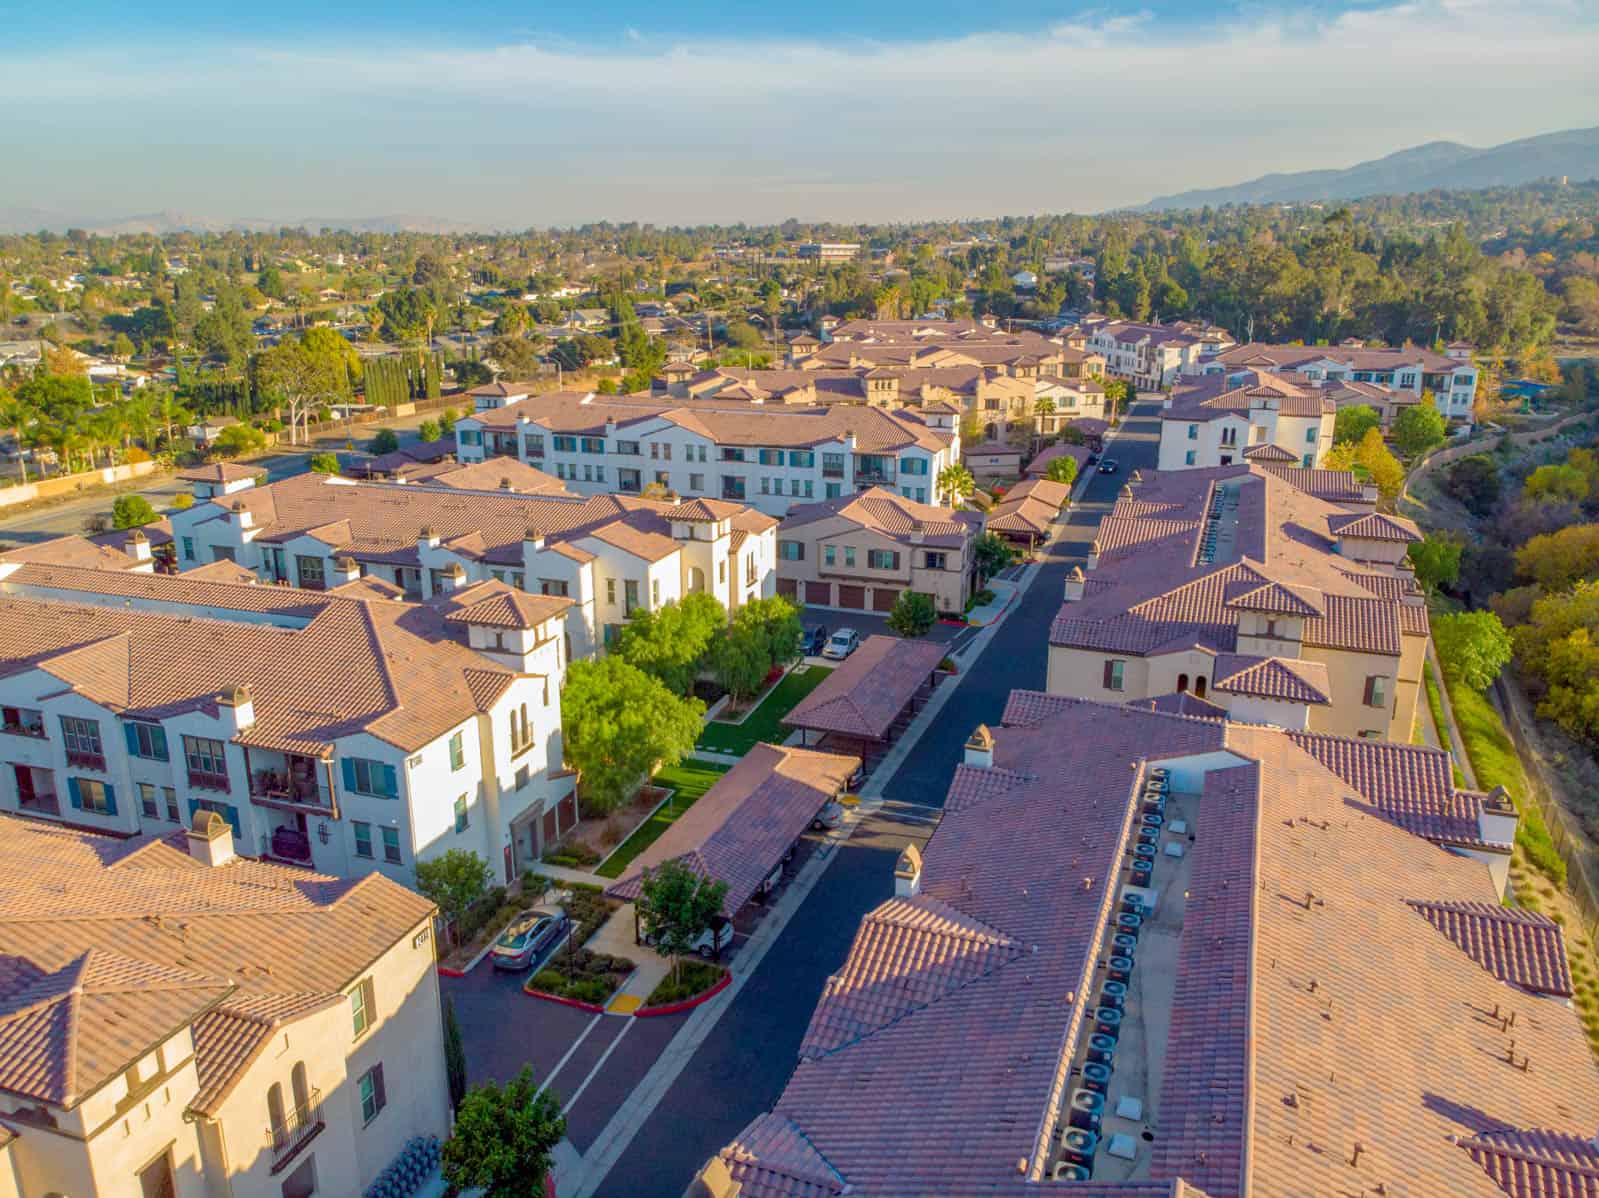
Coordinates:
(513, 116)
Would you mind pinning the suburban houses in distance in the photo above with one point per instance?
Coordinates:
(1217, 421)
(1151, 356)
(181, 1022)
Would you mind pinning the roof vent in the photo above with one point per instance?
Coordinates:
(908, 872)
(210, 839)
(1076, 584)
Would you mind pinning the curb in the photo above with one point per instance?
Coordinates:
(451, 973)
(591, 1008)
(688, 1004)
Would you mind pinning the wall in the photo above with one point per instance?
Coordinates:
(73, 484)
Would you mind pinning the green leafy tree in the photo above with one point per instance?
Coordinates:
(1062, 470)
(1352, 423)
(1437, 560)
(740, 660)
(671, 644)
(1373, 454)
(1475, 483)
(676, 906)
(408, 313)
(239, 438)
(956, 482)
(517, 357)
(620, 724)
(454, 880)
(447, 419)
(324, 463)
(992, 553)
(301, 380)
(428, 430)
(1419, 428)
(913, 614)
(1555, 560)
(132, 511)
(385, 440)
(1562, 483)
(122, 346)
(504, 1140)
(454, 1056)
(1473, 646)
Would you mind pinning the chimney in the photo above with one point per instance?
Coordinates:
(345, 570)
(1126, 491)
(715, 1180)
(238, 707)
(1135, 479)
(1076, 584)
(532, 539)
(1496, 822)
(505, 485)
(1093, 555)
(908, 873)
(427, 537)
(454, 577)
(242, 514)
(980, 747)
(210, 840)
(137, 546)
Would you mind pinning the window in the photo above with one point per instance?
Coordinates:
(521, 730)
(769, 457)
(469, 436)
(1310, 435)
(629, 448)
(935, 561)
(1193, 432)
(391, 846)
(226, 810)
(655, 592)
(629, 595)
(90, 794)
(882, 559)
(363, 838)
(833, 464)
(156, 1179)
(147, 803)
(1308, 461)
(207, 761)
(565, 444)
(1189, 458)
(833, 490)
(730, 454)
(829, 553)
(610, 591)
(460, 814)
(457, 751)
(373, 1097)
(364, 776)
(592, 444)
(849, 557)
(791, 551)
(696, 482)
(749, 569)
(533, 445)
(146, 740)
(170, 797)
(523, 776)
(188, 549)
(302, 1182)
(766, 486)
(82, 737)
(23, 721)
(1114, 674)
(913, 466)
(363, 1007)
(802, 457)
(553, 586)
(312, 575)
(1376, 691)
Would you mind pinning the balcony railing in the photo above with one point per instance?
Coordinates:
(86, 760)
(34, 730)
(284, 788)
(832, 472)
(40, 803)
(204, 780)
(296, 1130)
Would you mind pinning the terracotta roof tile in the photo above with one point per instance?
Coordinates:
(1523, 948)
(864, 695)
(1287, 679)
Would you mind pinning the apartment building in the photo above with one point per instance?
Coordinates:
(1235, 586)
(1139, 957)
(180, 1022)
(829, 251)
(346, 731)
(607, 554)
(770, 457)
(1151, 356)
(859, 552)
(1245, 416)
(1451, 377)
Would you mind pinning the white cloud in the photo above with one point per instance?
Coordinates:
(1106, 108)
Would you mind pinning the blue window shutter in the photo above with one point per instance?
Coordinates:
(132, 735)
(233, 818)
(110, 799)
(75, 798)
(349, 774)
(194, 807)
(391, 783)
(158, 738)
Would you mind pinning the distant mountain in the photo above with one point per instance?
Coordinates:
(1436, 165)
(32, 220)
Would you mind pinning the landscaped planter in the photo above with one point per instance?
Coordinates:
(584, 980)
(690, 1001)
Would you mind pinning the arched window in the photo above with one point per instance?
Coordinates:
(1199, 687)
(696, 580)
(1182, 683)
(275, 1118)
(302, 1089)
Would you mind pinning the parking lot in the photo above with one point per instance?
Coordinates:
(872, 624)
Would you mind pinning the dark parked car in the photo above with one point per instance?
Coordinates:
(814, 640)
(528, 938)
(1108, 466)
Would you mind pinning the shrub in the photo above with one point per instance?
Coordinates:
(694, 978)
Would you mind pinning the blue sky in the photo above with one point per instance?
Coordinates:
(516, 115)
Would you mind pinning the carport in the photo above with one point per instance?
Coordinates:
(865, 704)
(744, 825)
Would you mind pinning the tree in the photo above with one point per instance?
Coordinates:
(1437, 560)
(239, 438)
(739, 661)
(447, 419)
(454, 1056)
(676, 906)
(428, 430)
(1555, 560)
(1475, 483)
(324, 463)
(620, 724)
(408, 313)
(992, 553)
(385, 440)
(671, 644)
(454, 880)
(1383, 467)
(132, 511)
(913, 614)
(956, 481)
(1352, 423)
(1473, 646)
(778, 623)
(302, 380)
(517, 357)
(504, 1140)
(1562, 483)
(1062, 470)
(122, 346)
(1419, 428)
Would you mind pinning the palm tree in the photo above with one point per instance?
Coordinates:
(16, 415)
(956, 481)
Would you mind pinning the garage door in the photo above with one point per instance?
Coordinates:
(852, 597)
(883, 599)
(820, 593)
(788, 588)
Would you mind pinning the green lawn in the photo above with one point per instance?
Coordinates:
(690, 780)
(766, 721)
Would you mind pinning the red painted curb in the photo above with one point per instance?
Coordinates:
(451, 973)
(592, 1008)
(688, 1004)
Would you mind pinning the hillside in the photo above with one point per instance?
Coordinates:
(1438, 165)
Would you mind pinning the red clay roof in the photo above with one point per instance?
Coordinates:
(863, 696)
(1286, 679)
(1523, 948)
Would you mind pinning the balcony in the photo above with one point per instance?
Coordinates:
(289, 778)
(205, 780)
(85, 760)
(297, 1130)
(36, 731)
(832, 471)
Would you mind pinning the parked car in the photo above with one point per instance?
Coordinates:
(1108, 466)
(841, 644)
(711, 941)
(829, 816)
(814, 640)
(528, 938)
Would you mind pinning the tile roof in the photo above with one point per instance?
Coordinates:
(74, 551)
(1031, 506)
(221, 473)
(891, 514)
(1182, 703)
(1287, 679)
(1523, 948)
(1408, 784)
(867, 692)
(1537, 1163)
(1374, 526)
(228, 1038)
(1269, 453)
(741, 827)
(1264, 355)
(494, 604)
(1334, 486)
(1210, 397)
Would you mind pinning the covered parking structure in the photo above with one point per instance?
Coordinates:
(743, 826)
(1028, 510)
(865, 704)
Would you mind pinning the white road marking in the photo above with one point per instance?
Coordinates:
(598, 1065)
(561, 1064)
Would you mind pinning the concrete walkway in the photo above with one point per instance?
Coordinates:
(1457, 745)
(615, 938)
(987, 613)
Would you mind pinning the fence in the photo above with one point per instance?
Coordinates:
(71, 484)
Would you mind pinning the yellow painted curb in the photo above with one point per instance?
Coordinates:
(624, 1004)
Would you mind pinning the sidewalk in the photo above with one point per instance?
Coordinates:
(615, 938)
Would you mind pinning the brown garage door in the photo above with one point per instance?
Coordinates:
(852, 597)
(819, 592)
(883, 599)
(788, 588)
